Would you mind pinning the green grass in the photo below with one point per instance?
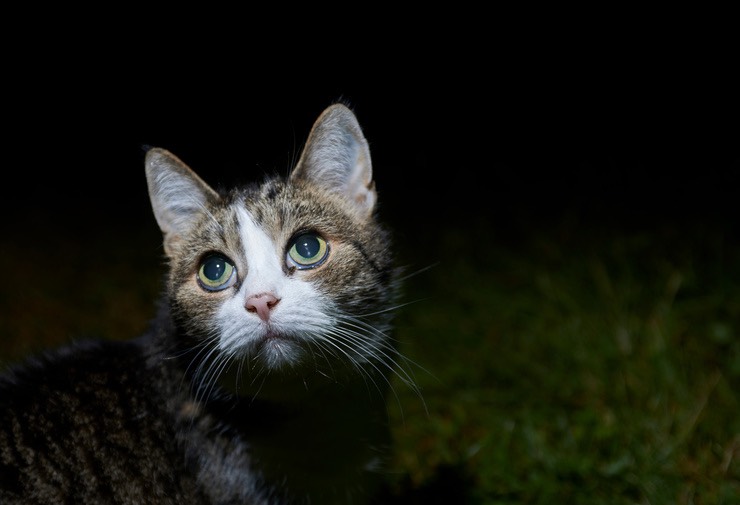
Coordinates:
(569, 365)
(575, 366)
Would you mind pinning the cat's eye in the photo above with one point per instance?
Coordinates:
(216, 273)
(307, 250)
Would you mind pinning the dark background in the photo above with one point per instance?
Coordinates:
(606, 137)
(488, 133)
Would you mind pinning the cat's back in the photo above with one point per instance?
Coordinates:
(85, 424)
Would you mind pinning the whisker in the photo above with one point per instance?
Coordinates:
(355, 331)
(420, 271)
(391, 309)
(363, 373)
(381, 345)
(322, 350)
(374, 351)
(209, 349)
(351, 340)
(215, 370)
(385, 345)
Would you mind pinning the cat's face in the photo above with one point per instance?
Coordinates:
(279, 272)
(287, 273)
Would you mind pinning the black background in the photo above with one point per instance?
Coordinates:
(483, 135)
(493, 130)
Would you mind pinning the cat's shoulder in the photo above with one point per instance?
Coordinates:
(73, 369)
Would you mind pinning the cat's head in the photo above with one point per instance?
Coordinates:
(286, 273)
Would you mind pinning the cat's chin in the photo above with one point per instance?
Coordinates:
(265, 347)
(277, 350)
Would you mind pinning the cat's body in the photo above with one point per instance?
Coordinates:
(263, 378)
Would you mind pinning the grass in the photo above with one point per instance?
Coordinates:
(578, 365)
(575, 366)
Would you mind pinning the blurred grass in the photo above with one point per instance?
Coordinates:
(570, 364)
(578, 366)
(65, 284)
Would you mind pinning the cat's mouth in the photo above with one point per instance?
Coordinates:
(272, 334)
(277, 348)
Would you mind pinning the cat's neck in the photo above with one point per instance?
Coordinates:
(310, 429)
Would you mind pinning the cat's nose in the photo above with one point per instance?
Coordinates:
(261, 304)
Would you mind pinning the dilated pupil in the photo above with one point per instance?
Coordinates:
(214, 268)
(307, 246)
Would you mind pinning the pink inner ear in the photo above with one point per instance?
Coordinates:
(364, 198)
(337, 157)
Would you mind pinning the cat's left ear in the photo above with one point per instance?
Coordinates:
(337, 157)
(179, 197)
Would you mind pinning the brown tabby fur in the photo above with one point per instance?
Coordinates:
(186, 414)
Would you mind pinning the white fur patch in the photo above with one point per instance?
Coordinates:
(300, 315)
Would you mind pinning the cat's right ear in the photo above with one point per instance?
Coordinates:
(337, 158)
(177, 194)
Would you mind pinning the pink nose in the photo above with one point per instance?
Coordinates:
(261, 304)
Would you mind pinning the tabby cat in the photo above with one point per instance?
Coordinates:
(262, 379)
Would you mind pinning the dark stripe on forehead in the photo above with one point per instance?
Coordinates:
(267, 209)
(272, 190)
(222, 224)
(230, 229)
(257, 214)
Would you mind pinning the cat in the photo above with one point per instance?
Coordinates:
(263, 377)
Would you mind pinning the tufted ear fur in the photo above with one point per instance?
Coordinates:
(337, 157)
(178, 195)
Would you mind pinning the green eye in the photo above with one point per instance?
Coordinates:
(216, 273)
(307, 250)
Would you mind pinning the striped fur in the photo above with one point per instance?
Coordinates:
(271, 390)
